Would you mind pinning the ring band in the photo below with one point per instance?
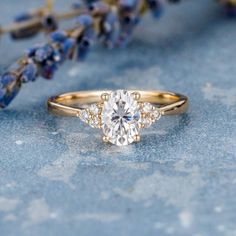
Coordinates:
(121, 113)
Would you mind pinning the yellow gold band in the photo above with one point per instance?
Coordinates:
(70, 104)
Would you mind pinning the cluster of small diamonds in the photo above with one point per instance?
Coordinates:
(92, 115)
(149, 114)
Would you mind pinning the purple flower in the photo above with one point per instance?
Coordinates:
(9, 88)
(29, 73)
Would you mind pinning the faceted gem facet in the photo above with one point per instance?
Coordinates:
(120, 116)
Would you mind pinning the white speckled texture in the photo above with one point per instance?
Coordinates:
(58, 178)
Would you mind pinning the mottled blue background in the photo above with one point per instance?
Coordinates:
(58, 178)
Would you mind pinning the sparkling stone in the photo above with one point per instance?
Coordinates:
(120, 118)
(94, 120)
(94, 108)
(84, 116)
(91, 116)
(149, 114)
(145, 121)
(147, 107)
(156, 114)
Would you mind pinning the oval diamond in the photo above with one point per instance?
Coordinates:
(120, 118)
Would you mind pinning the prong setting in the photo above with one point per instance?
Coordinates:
(137, 138)
(105, 97)
(105, 139)
(136, 96)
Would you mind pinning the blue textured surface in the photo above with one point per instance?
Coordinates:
(58, 178)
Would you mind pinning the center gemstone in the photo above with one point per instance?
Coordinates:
(120, 118)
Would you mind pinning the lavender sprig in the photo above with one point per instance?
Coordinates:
(44, 60)
(112, 24)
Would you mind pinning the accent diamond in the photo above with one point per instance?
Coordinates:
(84, 116)
(149, 114)
(91, 116)
(95, 118)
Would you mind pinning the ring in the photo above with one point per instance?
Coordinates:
(121, 114)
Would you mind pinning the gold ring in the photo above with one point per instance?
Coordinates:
(121, 113)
